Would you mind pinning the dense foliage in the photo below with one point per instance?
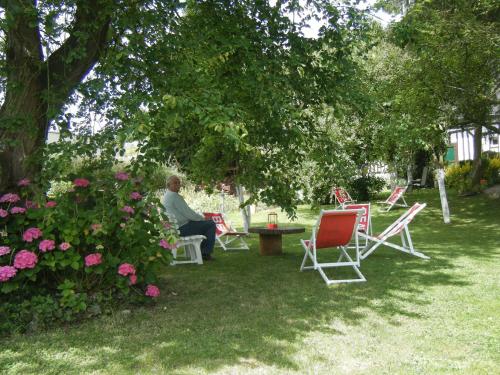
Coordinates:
(459, 175)
(455, 46)
(236, 94)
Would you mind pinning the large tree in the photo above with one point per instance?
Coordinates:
(234, 91)
(43, 58)
(233, 85)
(456, 47)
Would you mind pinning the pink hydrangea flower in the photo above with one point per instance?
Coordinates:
(47, 245)
(166, 245)
(32, 234)
(122, 176)
(24, 182)
(136, 196)
(64, 246)
(128, 210)
(132, 279)
(25, 259)
(9, 198)
(6, 273)
(93, 259)
(50, 204)
(4, 250)
(3, 213)
(167, 225)
(81, 182)
(152, 291)
(126, 269)
(17, 210)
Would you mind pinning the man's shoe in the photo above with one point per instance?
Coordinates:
(207, 257)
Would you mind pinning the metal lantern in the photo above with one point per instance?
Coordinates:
(272, 220)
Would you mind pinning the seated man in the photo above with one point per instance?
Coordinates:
(189, 222)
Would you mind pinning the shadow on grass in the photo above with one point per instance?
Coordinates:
(253, 310)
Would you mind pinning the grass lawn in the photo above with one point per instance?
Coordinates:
(248, 314)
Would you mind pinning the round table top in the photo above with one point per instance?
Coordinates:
(279, 230)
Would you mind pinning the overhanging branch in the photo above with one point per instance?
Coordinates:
(72, 61)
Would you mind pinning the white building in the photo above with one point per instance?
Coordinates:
(461, 144)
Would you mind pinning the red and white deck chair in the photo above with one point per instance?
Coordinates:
(396, 195)
(225, 235)
(400, 226)
(365, 220)
(341, 196)
(334, 229)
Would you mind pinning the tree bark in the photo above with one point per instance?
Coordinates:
(409, 177)
(476, 172)
(245, 211)
(37, 88)
(442, 195)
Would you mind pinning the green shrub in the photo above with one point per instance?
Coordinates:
(458, 176)
(364, 188)
(492, 170)
(92, 236)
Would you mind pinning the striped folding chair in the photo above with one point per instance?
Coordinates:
(226, 236)
(341, 196)
(400, 226)
(395, 196)
(365, 219)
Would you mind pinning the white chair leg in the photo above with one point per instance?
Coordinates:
(404, 201)
(197, 252)
(192, 249)
(403, 240)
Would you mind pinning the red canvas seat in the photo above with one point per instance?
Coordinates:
(334, 229)
(365, 220)
(400, 226)
(341, 196)
(396, 195)
(225, 235)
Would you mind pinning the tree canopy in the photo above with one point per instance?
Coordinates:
(230, 89)
(454, 48)
(234, 91)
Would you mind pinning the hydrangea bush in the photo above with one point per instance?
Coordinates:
(60, 254)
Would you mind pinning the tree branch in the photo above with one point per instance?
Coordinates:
(73, 60)
(492, 128)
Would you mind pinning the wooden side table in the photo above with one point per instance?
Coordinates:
(270, 240)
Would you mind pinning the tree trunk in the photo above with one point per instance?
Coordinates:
(245, 211)
(409, 177)
(442, 195)
(21, 157)
(476, 172)
(37, 88)
(23, 118)
(222, 206)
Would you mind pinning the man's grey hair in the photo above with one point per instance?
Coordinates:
(172, 178)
